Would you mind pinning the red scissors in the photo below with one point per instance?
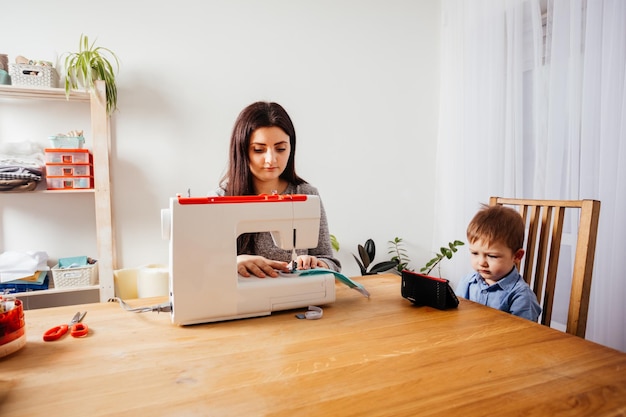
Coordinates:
(76, 328)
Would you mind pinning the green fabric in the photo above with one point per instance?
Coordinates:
(339, 276)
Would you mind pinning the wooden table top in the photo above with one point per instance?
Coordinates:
(366, 357)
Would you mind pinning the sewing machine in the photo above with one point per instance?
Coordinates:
(203, 281)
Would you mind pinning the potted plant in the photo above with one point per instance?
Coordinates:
(89, 64)
(367, 253)
(444, 253)
(400, 255)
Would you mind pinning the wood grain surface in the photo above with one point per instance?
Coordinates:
(366, 357)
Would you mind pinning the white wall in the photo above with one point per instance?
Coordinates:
(359, 79)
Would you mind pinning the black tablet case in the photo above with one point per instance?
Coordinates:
(424, 290)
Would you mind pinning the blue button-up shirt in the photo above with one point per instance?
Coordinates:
(510, 294)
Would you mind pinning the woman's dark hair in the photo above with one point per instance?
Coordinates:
(238, 178)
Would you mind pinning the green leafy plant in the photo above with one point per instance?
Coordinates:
(444, 253)
(89, 64)
(400, 255)
(367, 253)
(334, 242)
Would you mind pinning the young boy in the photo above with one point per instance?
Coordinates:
(496, 240)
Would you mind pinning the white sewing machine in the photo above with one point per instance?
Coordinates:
(203, 280)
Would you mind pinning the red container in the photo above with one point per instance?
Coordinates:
(12, 327)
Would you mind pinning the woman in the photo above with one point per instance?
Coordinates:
(262, 161)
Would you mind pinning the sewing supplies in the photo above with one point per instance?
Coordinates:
(313, 313)
(12, 325)
(75, 327)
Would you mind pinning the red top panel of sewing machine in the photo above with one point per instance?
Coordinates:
(262, 198)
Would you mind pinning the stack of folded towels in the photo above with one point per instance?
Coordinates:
(21, 166)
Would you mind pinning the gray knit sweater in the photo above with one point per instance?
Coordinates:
(264, 244)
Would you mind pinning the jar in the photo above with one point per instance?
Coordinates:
(12, 325)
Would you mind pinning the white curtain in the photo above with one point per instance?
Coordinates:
(533, 105)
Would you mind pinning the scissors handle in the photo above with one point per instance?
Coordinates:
(79, 330)
(55, 333)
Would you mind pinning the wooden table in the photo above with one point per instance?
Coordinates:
(366, 357)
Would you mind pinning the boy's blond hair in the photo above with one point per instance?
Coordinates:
(497, 224)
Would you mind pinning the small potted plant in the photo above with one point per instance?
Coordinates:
(367, 253)
(89, 64)
(400, 255)
(444, 253)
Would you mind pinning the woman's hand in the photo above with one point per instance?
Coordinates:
(310, 262)
(259, 266)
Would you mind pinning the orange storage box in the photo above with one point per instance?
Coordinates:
(67, 156)
(68, 183)
(68, 170)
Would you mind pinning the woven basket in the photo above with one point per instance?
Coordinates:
(75, 277)
(33, 75)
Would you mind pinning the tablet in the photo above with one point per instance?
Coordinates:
(425, 290)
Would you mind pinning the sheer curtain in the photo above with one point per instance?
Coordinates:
(533, 105)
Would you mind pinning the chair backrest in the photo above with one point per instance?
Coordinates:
(544, 225)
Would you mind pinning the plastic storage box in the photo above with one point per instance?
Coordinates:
(66, 183)
(12, 326)
(68, 170)
(67, 156)
(67, 142)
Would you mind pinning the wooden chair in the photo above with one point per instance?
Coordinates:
(544, 225)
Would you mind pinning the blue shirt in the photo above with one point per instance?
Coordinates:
(510, 294)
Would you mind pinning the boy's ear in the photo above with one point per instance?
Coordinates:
(518, 255)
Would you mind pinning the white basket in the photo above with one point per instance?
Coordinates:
(33, 75)
(83, 276)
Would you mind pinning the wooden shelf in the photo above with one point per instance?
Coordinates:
(57, 291)
(26, 93)
(68, 191)
(100, 126)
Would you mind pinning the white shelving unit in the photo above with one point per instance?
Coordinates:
(101, 139)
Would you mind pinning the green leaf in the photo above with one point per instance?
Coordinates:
(370, 248)
(383, 266)
(364, 256)
(361, 267)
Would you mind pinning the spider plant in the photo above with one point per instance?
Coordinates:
(89, 64)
